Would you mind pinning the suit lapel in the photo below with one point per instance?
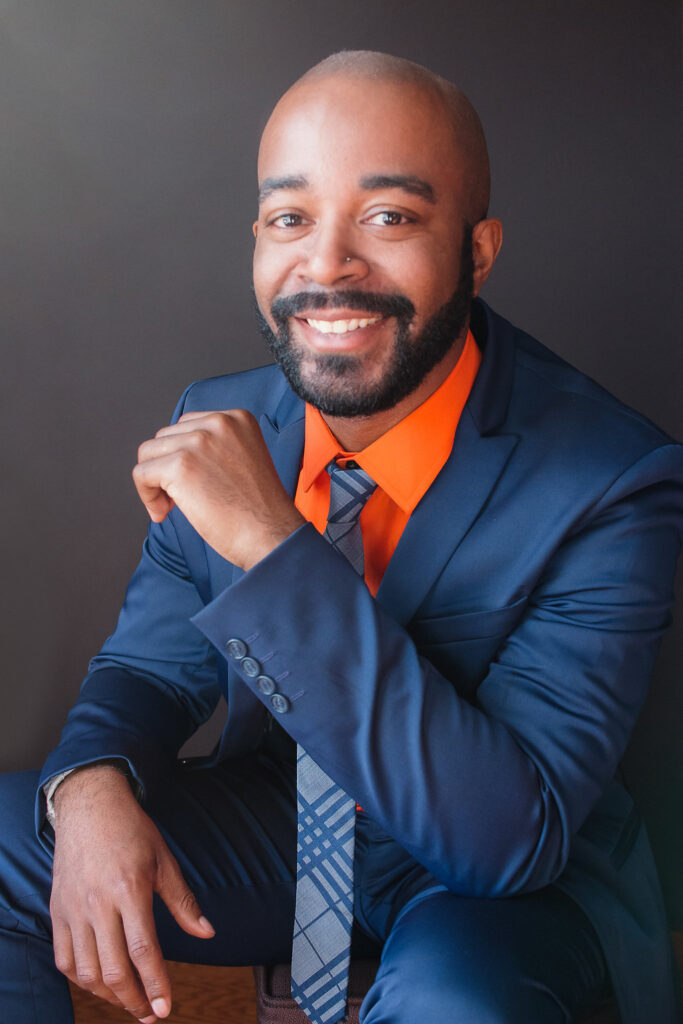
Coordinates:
(286, 445)
(443, 517)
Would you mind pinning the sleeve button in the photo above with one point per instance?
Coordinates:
(236, 649)
(279, 704)
(250, 667)
(266, 685)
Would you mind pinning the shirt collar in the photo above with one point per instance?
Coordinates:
(406, 459)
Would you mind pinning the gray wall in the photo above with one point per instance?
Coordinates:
(129, 132)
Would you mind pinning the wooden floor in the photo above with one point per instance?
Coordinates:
(210, 995)
(201, 995)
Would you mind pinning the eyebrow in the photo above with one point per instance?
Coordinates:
(291, 181)
(370, 183)
(406, 182)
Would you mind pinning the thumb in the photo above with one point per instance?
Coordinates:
(180, 899)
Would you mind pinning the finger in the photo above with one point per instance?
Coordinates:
(146, 477)
(87, 969)
(213, 418)
(145, 954)
(186, 438)
(86, 965)
(197, 414)
(62, 947)
(235, 414)
(118, 973)
(191, 421)
(180, 899)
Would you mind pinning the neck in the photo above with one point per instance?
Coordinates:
(357, 432)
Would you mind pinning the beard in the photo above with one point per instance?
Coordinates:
(335, 383)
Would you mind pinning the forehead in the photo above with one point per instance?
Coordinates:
(335, 131)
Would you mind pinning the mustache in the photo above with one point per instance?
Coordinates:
(354, 298)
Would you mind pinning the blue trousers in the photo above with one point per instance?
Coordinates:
(232, 829)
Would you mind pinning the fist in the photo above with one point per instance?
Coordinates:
(216, 468)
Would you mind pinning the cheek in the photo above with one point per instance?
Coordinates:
(270, 268)
(427, 275)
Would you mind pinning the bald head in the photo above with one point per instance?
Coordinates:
(467, 132)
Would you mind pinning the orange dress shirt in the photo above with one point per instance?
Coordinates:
(403, 462)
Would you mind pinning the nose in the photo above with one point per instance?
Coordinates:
(330, 259)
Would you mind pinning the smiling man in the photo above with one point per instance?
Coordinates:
(428, 563)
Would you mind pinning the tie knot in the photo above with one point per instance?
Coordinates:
(350, 488)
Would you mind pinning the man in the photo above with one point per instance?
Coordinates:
(473, 692)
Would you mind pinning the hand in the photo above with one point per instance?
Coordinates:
(216, 468)
(109, 860)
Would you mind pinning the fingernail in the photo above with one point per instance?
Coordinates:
(161, 1007)
(146, 1020)
(206, 925)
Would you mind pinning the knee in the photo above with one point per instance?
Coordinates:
(25, 867)
(434, 996)
(445, 960)
(17, 799)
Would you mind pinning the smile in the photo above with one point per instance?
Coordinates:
(342, 326)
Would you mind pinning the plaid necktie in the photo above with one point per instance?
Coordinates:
(326, 819)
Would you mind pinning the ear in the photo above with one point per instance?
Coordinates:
(254, 228)
(487, 238)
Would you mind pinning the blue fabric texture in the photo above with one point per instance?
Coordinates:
(535, 952)
(478, 708)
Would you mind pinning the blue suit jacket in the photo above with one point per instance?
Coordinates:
(478, 707)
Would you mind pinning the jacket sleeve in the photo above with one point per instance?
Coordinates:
(154, 681)
(487, 795)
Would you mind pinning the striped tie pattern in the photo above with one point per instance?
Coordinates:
(326, 819)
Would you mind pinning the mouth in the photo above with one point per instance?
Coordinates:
(345, 326)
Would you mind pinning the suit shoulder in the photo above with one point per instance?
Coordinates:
(256, 390)
(551, 388)
(572, 433)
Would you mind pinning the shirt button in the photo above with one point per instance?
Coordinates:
(250, 667)
(266, 685)
(279, 704)
(236, 649)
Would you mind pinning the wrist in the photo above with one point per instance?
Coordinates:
(272, 538)
(86, 782)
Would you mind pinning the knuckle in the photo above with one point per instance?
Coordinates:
(93, 897)
(183, 459)
(196, 440)
(87, 976)
(64, 963)
(123, 887)
(114, 976)
(187, 900)
(139, 950)
(218, 420)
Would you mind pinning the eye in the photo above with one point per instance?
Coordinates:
(389, 219)
(286, 220)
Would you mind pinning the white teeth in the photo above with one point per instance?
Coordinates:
(342, 326)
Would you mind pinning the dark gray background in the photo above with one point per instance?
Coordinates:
(128, 139)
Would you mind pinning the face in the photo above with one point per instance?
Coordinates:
(363, 269)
